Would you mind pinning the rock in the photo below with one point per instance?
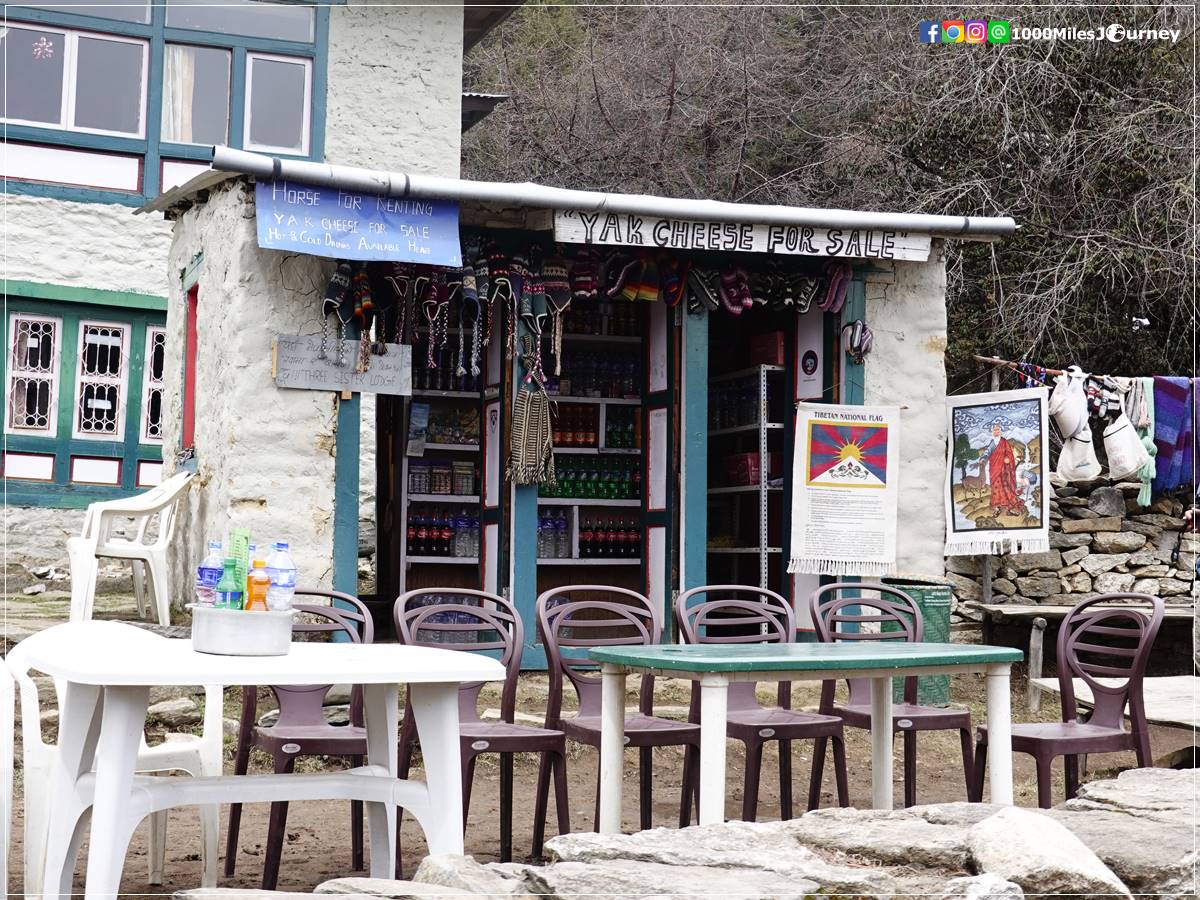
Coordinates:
(1168, 523)
(643, 879)
(1144, 557)
(1065, 491)
(385, 887)
(1150, 531)
(1172, 588)
(1081, 512)
(42, 571)
(1009, 573)
(1079, 584)
(1060, 541)
(1071, 501)
(34, 589)
(1067, 571)
(1129, 487)
(1074, 555)
(230, 727)
(248, 894)
(337, 695)
(1080, 526)
(981, 887)
(1184, 574)
(1189, 542)
(1087, 485)
(1023, 563)
(965, 565)
(1142, 825)
(1163, 505)
(1103, 562)
(1112, 583)
(1038, 585)
(964, 588)
(177, 713)
(1040, 855)
(1004, 586)
(1118, 542)
(900, 837)
(730, 845)
(1107, 501)
(1146, 586)
(462, 873)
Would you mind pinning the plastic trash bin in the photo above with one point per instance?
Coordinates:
(933, 597)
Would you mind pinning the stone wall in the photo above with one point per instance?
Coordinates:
(1101, 541)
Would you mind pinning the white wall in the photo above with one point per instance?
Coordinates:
(907, 313)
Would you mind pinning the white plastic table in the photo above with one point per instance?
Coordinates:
(109, 669)
(716, 665)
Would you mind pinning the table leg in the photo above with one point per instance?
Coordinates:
(122, 722)
(612, 747)
(379, 707)
(435, 707)
(881, 743)
(61, 816)
(999, 722)
(714, 704)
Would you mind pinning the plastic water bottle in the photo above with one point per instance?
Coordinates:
(283, 578)
(562, 537)
(208, 574)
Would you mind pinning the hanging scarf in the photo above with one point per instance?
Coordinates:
(435, 307)
(1145, 388)
(335, 304)
(401, 278)
(364, 313)
(557, 288)
(531, 442)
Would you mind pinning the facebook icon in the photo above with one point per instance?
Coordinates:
(929, 32)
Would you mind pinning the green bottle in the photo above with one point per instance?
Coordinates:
(229, 588)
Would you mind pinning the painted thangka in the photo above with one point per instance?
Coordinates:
(997, 497)
(844, 489)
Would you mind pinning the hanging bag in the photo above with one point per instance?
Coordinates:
(1124, 449)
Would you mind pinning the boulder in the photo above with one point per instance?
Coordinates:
(1103, 562)
(177, 713)
(1150, 531)
(385, 887)
(965, 565)
(964, 588)
(462, 873)
(1129, 487)
(1118, 542)
(1074, 555)
(1071, 501)
(1003, 586)
(1081, 512)
(1146, 586)
(981, 887)
(1107, 501)
(1060, 541)
(1079, 584)
(1112, 583)
(645, 879)
(1024, 563)
(899, 837)
(1170, 587)
(1040, 855)
(1081, 526)
(1066, 571)
(1155, 571)
(1038, 585)
(1167, 523)
(33, 589)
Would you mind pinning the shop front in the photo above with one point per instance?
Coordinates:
(602, 387)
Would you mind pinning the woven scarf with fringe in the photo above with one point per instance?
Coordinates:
(531, 442)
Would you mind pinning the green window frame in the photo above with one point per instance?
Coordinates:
(139, 314)
(151, 149)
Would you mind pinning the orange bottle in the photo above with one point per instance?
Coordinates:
(258, 582)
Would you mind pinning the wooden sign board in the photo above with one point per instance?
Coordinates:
(577, 227)
(297, 363)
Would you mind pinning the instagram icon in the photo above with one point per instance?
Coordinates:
(976, 31)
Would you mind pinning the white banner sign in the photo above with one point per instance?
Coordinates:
(298, 363)
(577, 227)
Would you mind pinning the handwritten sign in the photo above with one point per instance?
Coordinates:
(298, 364)
(577, 227)
(348, 225)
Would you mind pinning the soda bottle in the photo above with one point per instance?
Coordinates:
(258, 584)
(229, 588)
(447, 535)
(208, 574)
(282, 572)
(422, 535)
(411, 536)
(586, 536)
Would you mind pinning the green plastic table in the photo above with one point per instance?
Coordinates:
(715, 666)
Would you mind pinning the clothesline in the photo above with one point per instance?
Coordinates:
(1015, 366)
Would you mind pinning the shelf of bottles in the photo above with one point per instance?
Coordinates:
(442, 486)
(746, 445)
(591, 516)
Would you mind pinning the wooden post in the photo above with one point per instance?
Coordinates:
(1036, 635)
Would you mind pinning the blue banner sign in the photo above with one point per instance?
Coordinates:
(323, 221)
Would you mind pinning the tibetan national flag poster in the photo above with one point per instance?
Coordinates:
(844, 490)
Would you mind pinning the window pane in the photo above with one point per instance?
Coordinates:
(31, 79)
(101, 353)
(286, 22)
(98, 408)
(128, 11)
(108, 85)
(277, 104)
(33, 364)
(195, 95)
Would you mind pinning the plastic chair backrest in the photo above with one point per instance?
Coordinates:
(744, 615)
(301, 705)
(1128, 635)
(162, 501)
(830, 612)
(470, 620)
(622, 618)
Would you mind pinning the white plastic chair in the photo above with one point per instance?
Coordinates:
(7, 735)
(97, 540)
(182, 753)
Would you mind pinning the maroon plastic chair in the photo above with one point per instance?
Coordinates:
(753, 615)
(621, 618)
(839, 617)
(1094, 641)
(460, 619)
(301, 729)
